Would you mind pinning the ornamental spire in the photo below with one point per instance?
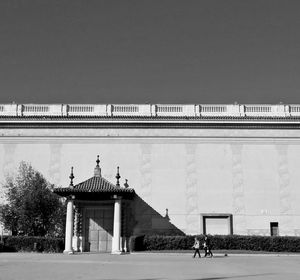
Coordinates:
(97, 170)
(118, 177)
(167, 214)
(126, 184)
(71, 177)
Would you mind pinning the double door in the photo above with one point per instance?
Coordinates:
(99, 229)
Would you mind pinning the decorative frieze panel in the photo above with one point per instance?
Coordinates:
(285, 198)
(55, 163)
(9, 158)
(191, 194)
(7, 164)
(284, 180)
(146, 171)
(238, 195)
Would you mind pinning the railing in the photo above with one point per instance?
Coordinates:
(84, 110)
(173, 110)
(294, 110)
(130, 110)
(40, 110)
(8, 110)
(266, 110)
(219, 110)
(150, 110)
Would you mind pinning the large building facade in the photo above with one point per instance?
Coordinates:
(219, 169)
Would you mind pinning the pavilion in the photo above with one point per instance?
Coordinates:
(97, 211)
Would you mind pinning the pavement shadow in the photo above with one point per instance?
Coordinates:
(217, 257)
(232, 277)
(216, 278)
(151, 278)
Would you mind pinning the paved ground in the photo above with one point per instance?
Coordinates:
(31, 266)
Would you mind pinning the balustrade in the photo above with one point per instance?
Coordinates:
(8, 109)
(86, 110)
(131, 110)
(173, 110)
(266, 110)
(294, 110)
(41, 110)
(148, 110)
(219, 110)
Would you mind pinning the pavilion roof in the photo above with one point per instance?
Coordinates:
(95, 184)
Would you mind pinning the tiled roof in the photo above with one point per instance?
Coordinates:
(94, 185)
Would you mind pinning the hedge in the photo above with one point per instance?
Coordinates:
(159, 242)
(31, 244)
(218, 242)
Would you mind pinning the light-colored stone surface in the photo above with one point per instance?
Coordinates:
(146, 266)
(251, 174)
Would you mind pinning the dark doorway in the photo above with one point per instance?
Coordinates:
(274, 229)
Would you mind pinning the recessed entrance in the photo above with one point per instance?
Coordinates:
(99, 229)
(217, 224)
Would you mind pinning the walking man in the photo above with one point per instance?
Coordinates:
(207, 247)
(196, 247)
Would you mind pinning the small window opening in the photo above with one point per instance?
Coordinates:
(274, 229)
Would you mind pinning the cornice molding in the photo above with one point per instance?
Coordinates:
(222, 124)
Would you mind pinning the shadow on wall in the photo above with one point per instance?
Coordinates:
(143, 219)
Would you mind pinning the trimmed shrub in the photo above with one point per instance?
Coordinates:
(218, 242)
(4, 248)
(32, 244)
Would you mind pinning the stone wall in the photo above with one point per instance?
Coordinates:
(251, 174)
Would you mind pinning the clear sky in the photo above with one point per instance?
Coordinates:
(204, 51)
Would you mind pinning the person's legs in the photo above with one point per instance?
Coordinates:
(198, 251)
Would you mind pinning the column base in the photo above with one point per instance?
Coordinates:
(77, 243)
(117, 253)
(68, 252)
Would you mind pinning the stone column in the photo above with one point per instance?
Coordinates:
(69, 226)
(117, 226)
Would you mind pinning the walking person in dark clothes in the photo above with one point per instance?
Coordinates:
(196, 247)
(207, 247)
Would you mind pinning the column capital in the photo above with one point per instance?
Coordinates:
(70, 197)
(117, 197)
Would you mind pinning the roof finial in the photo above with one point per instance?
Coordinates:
(126, 184)
(167, 214)
(97, 170)
(71, 177)
(118, 177)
